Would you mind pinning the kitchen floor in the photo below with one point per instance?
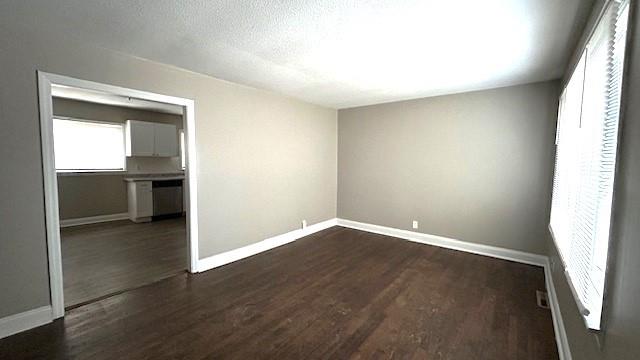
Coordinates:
(100, 260)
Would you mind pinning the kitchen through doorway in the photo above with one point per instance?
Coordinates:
(122, 198)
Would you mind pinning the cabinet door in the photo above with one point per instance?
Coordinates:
(140, 138)
(144, 199)
(166, 140)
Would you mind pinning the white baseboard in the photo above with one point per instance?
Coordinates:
(264, 245)
(564, 352)
(25, 320)
(93, 219)
(480, 249)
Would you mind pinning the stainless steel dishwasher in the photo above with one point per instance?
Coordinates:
(167, 197)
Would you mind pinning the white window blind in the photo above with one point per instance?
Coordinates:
(88, 146)
(586, 146)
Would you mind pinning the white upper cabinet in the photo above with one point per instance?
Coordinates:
(166, 140)
(140, 138)
(151, 139)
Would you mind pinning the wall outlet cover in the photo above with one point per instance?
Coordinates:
(415, 224)
(304, 224)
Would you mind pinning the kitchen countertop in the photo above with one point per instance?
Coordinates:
(153, 177)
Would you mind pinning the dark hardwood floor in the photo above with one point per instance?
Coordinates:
(337, 294)
(102, 259)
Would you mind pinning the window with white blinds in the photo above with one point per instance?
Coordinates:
(82, 145)
(586, 146)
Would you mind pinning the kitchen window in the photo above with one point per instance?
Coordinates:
(586, 147)
(87, 146)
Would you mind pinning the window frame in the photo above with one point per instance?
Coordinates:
(72, 172)
(610, 245)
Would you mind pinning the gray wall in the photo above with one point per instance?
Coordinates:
(82, 196)
(620, 337)
(265, 162)
(77, 195)
(474, 167)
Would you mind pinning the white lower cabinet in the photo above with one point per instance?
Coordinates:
(140, 196)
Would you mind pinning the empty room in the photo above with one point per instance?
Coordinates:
(320, 179)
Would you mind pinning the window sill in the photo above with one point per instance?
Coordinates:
(91, 172)
(580, 307)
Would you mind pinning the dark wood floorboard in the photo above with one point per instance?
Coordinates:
(337, 294)
(102, 259)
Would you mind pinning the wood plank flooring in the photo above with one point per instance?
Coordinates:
(102, 259)
(337, 294)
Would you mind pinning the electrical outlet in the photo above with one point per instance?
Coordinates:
(415, 224)
(304, 224)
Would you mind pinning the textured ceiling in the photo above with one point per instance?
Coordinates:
(333, 53)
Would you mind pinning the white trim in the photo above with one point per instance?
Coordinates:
(52, 218)
(92, 85)
(191, 183)
(45, 81)
(564, 352)
(91, 172)
(93, 219)
(25, 320)
(264, 245)
(441, 241)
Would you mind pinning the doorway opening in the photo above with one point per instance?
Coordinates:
(120, 188)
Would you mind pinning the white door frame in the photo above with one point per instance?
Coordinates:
(52, 219)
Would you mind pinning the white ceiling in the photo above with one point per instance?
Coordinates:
(99, 97)
(331, 52)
